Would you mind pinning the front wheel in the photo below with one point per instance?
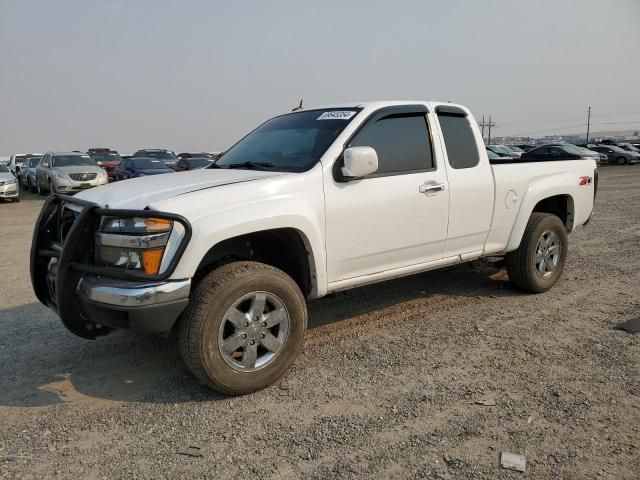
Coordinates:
(538, 262)
(243, 328)
(621, 160)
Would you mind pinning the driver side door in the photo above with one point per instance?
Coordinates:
(397, 216)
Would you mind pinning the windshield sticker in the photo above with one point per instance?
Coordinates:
(337, 115)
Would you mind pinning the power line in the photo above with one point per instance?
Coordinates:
(617, 123)
(552, 129)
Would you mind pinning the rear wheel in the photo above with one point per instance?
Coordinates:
(621, 160)
(539, 260)
(243, 328)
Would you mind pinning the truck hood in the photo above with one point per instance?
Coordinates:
(138, 193)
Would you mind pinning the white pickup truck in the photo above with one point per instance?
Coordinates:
(309, 203)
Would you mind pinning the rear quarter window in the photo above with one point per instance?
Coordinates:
(459, 140)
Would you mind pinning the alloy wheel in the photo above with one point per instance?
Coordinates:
(253, 331)
(548, 251)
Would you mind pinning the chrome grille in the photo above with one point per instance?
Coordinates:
(82, 177)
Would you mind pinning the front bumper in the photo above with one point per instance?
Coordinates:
(90, 300)
(144, 307)
(65, 185)
(9, 191)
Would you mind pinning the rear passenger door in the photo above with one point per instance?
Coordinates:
(471, 193)
(397, 216)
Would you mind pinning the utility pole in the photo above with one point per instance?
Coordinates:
(486, 124)
(490, 124)
(588, 121)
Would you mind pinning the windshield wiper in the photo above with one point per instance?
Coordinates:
(249, 165)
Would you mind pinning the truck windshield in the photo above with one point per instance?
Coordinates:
(292, 143)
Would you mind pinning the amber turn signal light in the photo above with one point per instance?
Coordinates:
(151, 260)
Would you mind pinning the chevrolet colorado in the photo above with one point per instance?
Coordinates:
(310, 202)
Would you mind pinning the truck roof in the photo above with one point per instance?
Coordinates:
(384, 103)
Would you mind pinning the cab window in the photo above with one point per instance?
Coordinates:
(401, 141)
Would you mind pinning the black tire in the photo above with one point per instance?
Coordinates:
(521, 263)
(211, 299)
(32, 187)
(621, 160)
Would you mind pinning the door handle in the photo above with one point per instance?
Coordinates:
(431, 187)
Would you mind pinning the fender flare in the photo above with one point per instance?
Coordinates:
(539, 190)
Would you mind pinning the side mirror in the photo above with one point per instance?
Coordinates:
(359, 162)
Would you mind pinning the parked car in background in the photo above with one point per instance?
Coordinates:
(195, 155)
(629, 147)
(8, 184)
(68, 172)
(107, 159)
(558, 151)
(16, 161)
(140, 167)
(515, 148)
(503, 151)
(526, 147)
(167, 156)
(185, 164)
(581, 151)
(617, 155)
(28, 173)
(495, 158)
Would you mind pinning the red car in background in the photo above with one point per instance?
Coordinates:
(107, 159)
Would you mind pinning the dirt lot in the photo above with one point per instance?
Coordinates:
(385, 387)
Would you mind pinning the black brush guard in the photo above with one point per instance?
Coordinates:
(62, 251)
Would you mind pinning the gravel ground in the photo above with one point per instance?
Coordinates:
(385, 387)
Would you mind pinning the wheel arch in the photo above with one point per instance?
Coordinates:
(552, 197)
(286, 248)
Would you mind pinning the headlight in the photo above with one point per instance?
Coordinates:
(102, 173)
(61, 175)
(144, 244)
(11, 182)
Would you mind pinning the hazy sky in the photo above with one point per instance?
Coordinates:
(195, 75)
